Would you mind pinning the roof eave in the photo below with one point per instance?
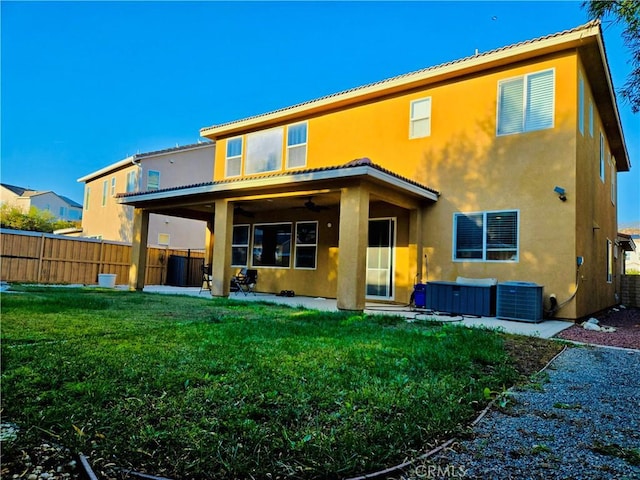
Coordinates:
(131, 160)
(261, 182)
(623, 163)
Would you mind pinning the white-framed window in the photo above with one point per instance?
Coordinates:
(153, 180)
(602, 157)
(591, 117)
(113, 186)
(609, 261)
(306, 245)
(132, 181)
(581, 103)
(486, 236)
(612, 173)
(105, 190)
(233, 162)
(271, 245)
(240, 246)
(420, 118)
(264, 151)
(164, 238)
(87, 195)
(297, 145)
(526, 103)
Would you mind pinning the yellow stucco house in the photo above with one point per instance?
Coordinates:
(500, 165)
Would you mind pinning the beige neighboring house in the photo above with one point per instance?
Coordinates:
(105, 218)
(62, 207)
(629, 239)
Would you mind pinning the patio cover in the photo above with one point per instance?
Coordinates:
(352, 186)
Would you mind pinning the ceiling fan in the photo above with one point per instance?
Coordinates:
(238, 210)
(312, 206)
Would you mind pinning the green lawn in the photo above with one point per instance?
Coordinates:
(187, 387)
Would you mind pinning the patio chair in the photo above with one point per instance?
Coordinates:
(206, 278)
(245, 281)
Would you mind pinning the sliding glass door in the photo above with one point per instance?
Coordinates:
(380, 258)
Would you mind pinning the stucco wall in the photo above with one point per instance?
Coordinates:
(113, 221)
(476, 170)
(596, 219)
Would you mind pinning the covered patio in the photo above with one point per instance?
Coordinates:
(335, 205)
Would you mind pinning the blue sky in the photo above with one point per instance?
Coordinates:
(85, 84)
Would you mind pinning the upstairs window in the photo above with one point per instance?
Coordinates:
(420, 118)
(591, 117)
(581, 104)
(526, 103)
(153, 180)
(234, 157)
(105, 190)
(602, 157)
(264, 151)
(486, 236)
(87, 195)
(612, 166)
(297, 145)
(113, 186)
(132, 180)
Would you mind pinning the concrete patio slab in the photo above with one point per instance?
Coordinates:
(545, 329)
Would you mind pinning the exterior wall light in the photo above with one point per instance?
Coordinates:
(561, 193)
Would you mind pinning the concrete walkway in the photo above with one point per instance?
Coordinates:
(546, 329)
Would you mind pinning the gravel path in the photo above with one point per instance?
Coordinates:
(584, 424)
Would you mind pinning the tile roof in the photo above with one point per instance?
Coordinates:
(70, 202)
(173, 149)
(359, 162)
(15, 189)
(138, 156)
(591, 24)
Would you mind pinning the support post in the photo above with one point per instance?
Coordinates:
(221, 259)
(139, 249)
(352, 244)
(416, 245)
(209, 241)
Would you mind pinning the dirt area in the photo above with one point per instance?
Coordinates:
(626, 321)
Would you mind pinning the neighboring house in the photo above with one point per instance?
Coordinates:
(499, 165)
(630, 244)
(105, 218)
(61, 207)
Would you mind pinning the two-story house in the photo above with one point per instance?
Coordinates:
(499, 165)
(23, 198)
(107, 219)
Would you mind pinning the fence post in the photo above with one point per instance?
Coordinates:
(40, 258)
(101, 259)
(165, 266)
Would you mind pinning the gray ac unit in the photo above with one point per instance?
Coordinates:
(519, 301)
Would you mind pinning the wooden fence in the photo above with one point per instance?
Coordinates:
(30, 257)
